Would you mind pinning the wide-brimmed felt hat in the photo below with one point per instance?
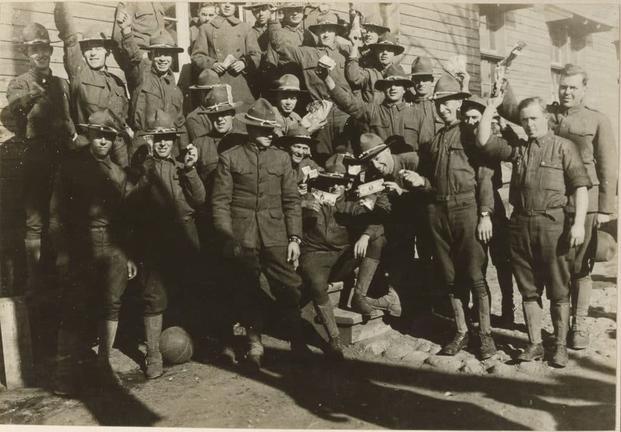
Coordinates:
(474, 102)
(291, 5)
(296, 134)
(422, 66)
(606, 247)
(164, 41)
(260, 114)
(329, 21)
(207, 79)
(34, 34)
(102, 121)
(388, 41)
(448, 87)
(287, 83)
(220, 99)
(370, 145)
(374, 25)
(97, 38)
(394, 74)
(161, 123)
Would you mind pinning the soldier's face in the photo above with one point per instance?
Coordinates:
(223, 121)
(370, 37)
(394, 93)
(261, 136)
(39, 56)
(298, 152)
(380, 162)
(162, 60)
(385, 57)
(163, 144)
(292, 16)
(472, 117)
(226, 9)
(101, 143)
(571, 90)
(95, 56)
(261, 15)
(534, 121)
(327, 37)
(423, 85)
(287, 102)
(206, 14)
(448, 109)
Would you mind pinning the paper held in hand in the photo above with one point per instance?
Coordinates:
(317, 113)
(325, 198)
(228, 61)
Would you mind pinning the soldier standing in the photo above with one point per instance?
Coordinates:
(546, 168)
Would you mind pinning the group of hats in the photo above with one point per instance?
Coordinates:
(158, 123)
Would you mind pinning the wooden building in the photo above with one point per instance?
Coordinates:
(555, 34)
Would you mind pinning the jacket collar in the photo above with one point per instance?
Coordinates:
(219, 20)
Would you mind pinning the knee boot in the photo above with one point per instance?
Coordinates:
(107, 334)
(153, 361)
(505, 280)
(581, 299)
(488, 347)
(366, 271)
(65, 382)
(532, 315)
(560, 320)
(389, 302)
(460, 340)
(326, 312)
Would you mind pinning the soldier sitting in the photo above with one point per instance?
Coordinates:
(297, 142)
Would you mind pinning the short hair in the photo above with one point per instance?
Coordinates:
(572, 69)
(533, 101)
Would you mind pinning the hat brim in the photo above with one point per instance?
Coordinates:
(255, 6)
(161, 132)
(106, 43)
(423, 73)
(165, 48)
(222, 108)
(286, 141)
(383, 83)
(338, 29)
(203, 87)
(376, 28)
(101, 128)
(452, 95)
(37, 42)
(242, 118)
(286, 90)
(371, 153)
(397, 49)
(470, 104)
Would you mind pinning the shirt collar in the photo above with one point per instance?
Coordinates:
(399, 104)
(541, 141)
(219, 20)
(107, 162)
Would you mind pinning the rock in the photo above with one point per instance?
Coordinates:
(447, 364)
(415, 358)
(501, 369)
(397, 351)
(532, 368)
(472, 366)
(502, 356)
(377, 347)
(435, 348)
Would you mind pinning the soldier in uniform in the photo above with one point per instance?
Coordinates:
(285, 99)
(151, 81)
(458, 198)
(164, 202)
(223, 36)
(546, 168)
(420, 96)
(256, 208)
(93, 88)
(592, 133)
(39, 104)
(88, 231)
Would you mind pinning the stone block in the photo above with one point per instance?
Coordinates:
(397, 350)
(444, 363)
(472, 366)
(361, 331)
(415, 358)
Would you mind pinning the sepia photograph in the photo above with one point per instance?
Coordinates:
(306, 215)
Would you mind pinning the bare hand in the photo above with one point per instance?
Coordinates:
(218, 68)
(317, 126)
(311, 205)
(602, 218)
(496, 101)
(293, 252)
(238, 66)
(360, 248)
(414, 179)
(132, 270)
(191, 156)
(36, 91)
(123, 19)
(576, 235)
(484, 229)
(322, 72)
(393, 187)
(302, 188)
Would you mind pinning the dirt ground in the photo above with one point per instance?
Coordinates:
(394, 381)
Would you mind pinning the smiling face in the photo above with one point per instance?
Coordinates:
(382, 162)
(472, 117)
(101, 142)
(223, 121)
(394, 92)
(286, 101)
(39, 55)
(423, 85)
(162, 60)
(292, 16)
(298, 152)
(534, 121)
(571, 90)
(448, 109)
(95, 56)
(370, 36)
(163, 144)
(327, 37)
(385, 56)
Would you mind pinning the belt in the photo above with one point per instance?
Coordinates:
(454, 197)
(531, 212)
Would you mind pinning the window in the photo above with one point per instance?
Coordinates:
(488, 66)
(491, 32)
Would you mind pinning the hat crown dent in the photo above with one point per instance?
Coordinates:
(288, 82)
(448, 86)
(297, 131)
(395, 71)
(369, 141)
(422, 66)
(261, 113)
(208, 77)
(35, 33)
(162, 40)
(219, 96)
(161, 121)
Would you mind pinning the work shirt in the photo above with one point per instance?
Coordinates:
(363, 79)
(262, 37)
(545, 171)
(255, 198)
(46, 117)
(223, 36)
(286, 120)
(385, 119)
(429, 122)
(147, 22)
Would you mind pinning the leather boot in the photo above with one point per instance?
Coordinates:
(488, 347)
(254, 355)
(107, 334)
(65, 382)
(153, 361)
(359, 301)
(460, 340)
(532, 315)
(389, 302)
(299, 349)
(560, 320)
(505, 280)
(326, 312)
(579, 337)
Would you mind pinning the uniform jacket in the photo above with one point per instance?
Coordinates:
(592, 133)
(287, 35)
(223, 36)
(430, 123)
(286, 121)
(545, 171)
(363, 79)
(384, 119)
(44, 117)
(147, 22)
(255, 197)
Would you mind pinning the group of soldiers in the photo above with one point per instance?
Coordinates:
(302, 154)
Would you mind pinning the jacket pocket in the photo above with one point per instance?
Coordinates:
(552, 176)
(276, 214)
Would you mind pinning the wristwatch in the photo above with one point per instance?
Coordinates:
(296, 239)
(484, 214)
